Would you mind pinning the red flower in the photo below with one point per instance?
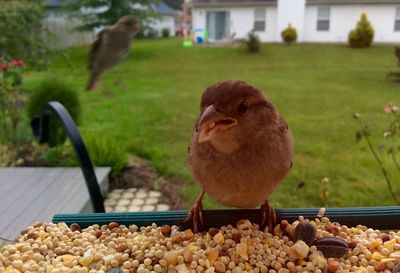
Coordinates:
(4, 67)
(17, 63)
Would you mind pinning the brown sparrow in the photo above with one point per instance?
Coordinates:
(241, 149)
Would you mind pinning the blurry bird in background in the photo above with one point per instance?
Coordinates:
(241, 149)
(111, 47)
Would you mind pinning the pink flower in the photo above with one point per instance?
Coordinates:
(17, 63)
(4, 67)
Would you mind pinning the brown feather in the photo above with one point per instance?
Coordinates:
(111, 47)
(242, 167)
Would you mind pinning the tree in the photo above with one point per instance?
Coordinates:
(22, 34)
(363, 34)
(98, 13)
(175, 4)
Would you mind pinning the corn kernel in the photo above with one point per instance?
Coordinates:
(188, 233)
(243, 251)
(212, 256)
(219, 238)
(375, 244)
(301, 249)
(377, 256)
(67, 258)
(42, 234)
(86, 260)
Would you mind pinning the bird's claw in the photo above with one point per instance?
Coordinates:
(196, 216)
(268, 216)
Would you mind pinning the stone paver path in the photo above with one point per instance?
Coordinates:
(134, 199)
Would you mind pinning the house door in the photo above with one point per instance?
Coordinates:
(217, 25)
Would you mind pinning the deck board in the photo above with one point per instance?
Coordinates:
(29, 195)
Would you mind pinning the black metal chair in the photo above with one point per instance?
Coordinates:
(41, 130)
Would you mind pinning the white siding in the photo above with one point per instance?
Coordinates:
(241, 21)
(303, 17)
(198, 18)
(344, 18)
(291, 11)
(165, 22)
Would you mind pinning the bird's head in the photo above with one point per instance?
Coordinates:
(129, 24)
(233, 113)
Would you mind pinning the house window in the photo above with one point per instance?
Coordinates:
(259, 19)
(323, 18)
(397, 20)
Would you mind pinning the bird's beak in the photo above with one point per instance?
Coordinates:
(213, 123)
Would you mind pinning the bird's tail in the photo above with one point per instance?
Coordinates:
(94, 80)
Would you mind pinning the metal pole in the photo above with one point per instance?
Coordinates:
(40, 127)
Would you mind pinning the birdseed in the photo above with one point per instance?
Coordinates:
(55, 248)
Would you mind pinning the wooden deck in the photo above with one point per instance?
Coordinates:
(29, 195)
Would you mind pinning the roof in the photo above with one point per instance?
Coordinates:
(55, 3)
(217, 3)
(164, 9)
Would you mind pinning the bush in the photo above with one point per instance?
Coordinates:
(165, 32)
(289, 35)
(106, 152)
(60, 156)
(54, 90)
(22, 34)
(395, 75)
(363, 34)
(253, 42)
(103, 152)
(397, 53)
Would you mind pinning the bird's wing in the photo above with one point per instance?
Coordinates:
(283, 130)
(282, 125)
(102, 37)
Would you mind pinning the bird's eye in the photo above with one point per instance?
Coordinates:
(242, 107)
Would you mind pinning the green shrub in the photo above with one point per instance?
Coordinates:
(103, 152)
(60, 156)
(289, 35)
(395, 75)
(22, 34)
(165, 32)
(53, 89)
(253, 42)
(397, 54)
(106, 152)
(363, 34)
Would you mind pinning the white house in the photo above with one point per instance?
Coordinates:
(166, 17)
(315, 20)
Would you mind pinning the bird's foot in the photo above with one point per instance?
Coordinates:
(196, 214)
(268, 217)
(196, 217)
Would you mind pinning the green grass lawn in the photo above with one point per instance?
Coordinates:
(150, 102)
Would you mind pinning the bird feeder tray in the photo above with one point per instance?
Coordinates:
(383, 218)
